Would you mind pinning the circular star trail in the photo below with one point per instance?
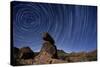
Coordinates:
(35, 19)
(68, 25)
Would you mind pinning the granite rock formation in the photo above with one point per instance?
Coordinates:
(48, 47)
(48, 52)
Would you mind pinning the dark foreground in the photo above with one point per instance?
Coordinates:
(49, 54)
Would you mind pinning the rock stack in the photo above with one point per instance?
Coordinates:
(48, 52)
(48, 46)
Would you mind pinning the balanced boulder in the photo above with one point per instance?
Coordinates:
(48, 50)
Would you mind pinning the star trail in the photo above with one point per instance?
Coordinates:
(73, 27)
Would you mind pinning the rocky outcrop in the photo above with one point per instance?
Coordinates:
(48, 48)
(23, 56)
(48, 52)
(26, 53)
(47, 37)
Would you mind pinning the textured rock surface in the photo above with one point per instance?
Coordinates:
(26, 61)
(26, 53)
(48, 50)
(23, 56)
(49, 54)
(57, 61)
(48, 47)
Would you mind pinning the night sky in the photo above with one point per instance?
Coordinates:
(73, 27)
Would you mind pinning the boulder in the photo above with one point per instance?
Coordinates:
(26, 53)
(48, 50)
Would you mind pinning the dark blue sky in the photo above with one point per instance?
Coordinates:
(73, 27)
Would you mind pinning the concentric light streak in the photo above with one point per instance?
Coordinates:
(72, 26)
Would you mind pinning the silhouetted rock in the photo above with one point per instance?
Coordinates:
(23, 56)
(48, 50)
(15, 52)
(47, 37)
(49, 54)
(15, 55)
(26, 53)
(48, 46)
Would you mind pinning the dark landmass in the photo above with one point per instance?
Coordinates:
(49, 54)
